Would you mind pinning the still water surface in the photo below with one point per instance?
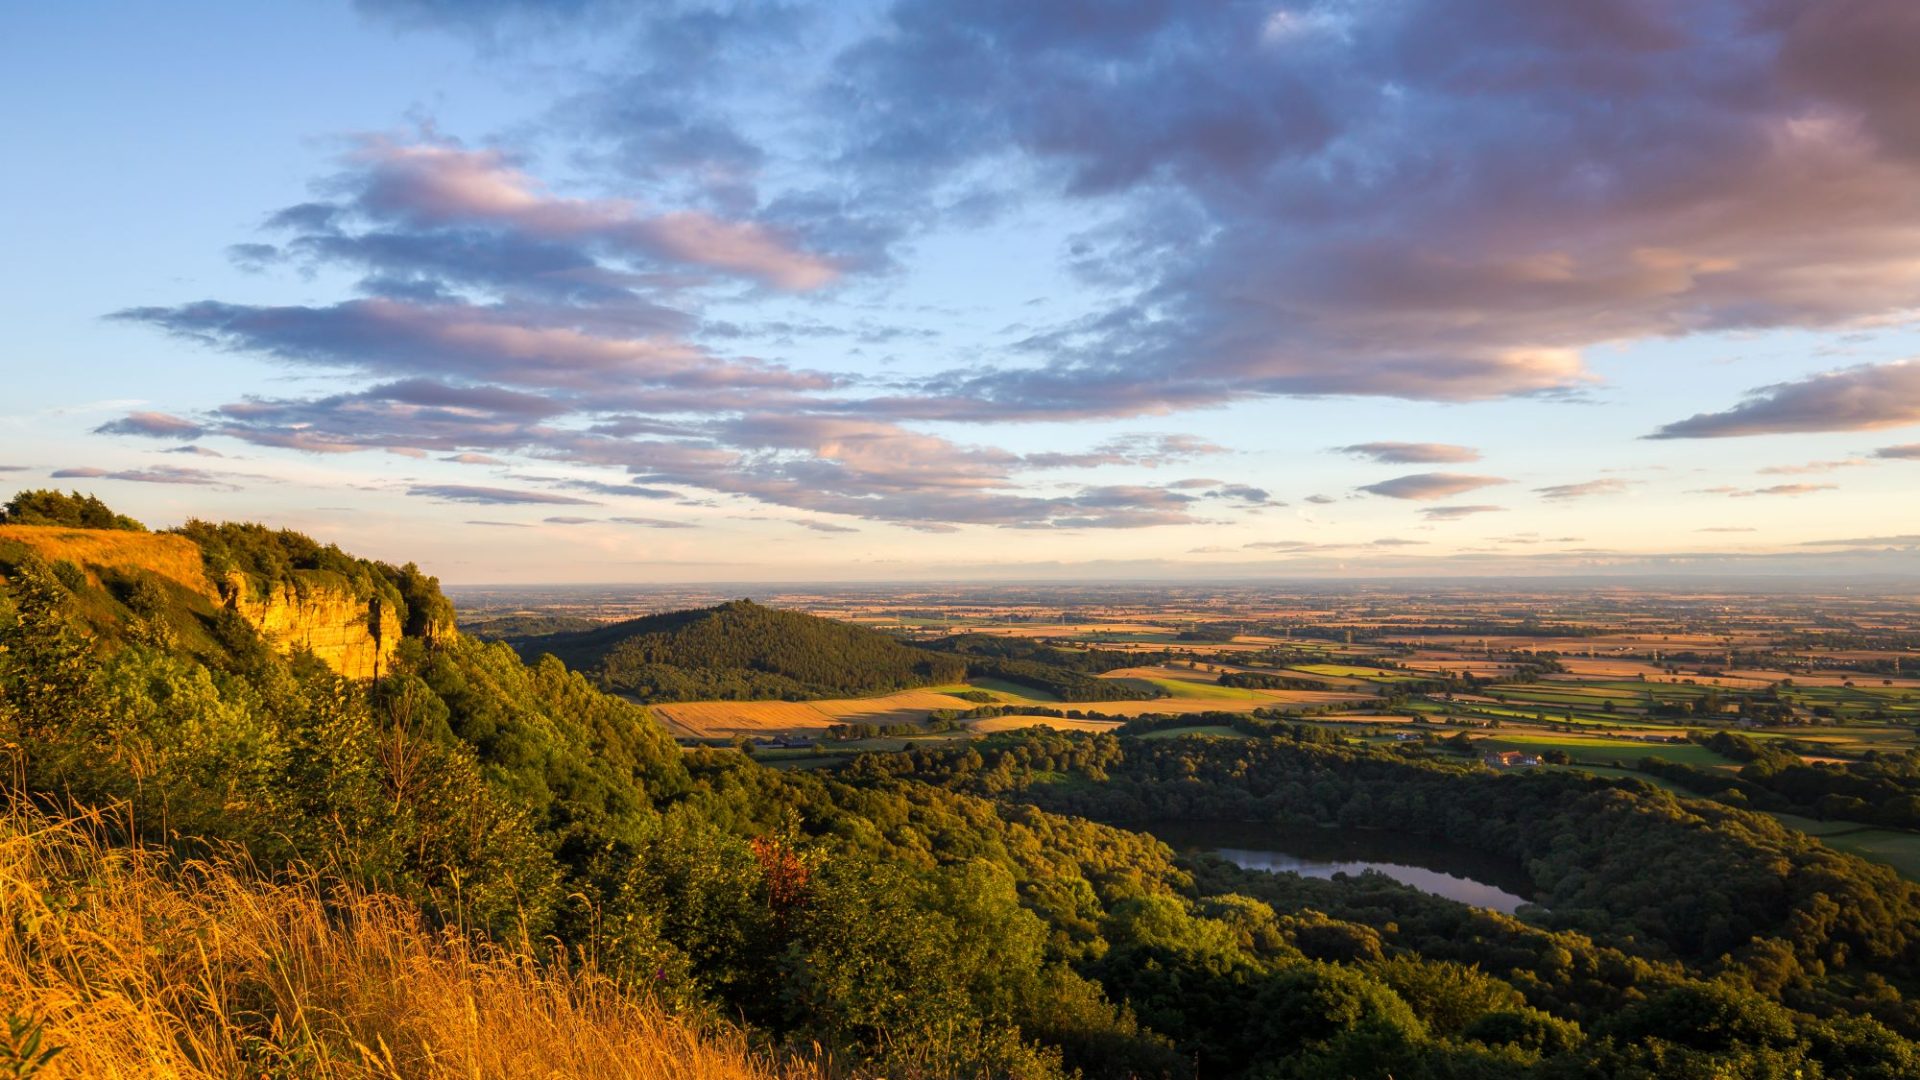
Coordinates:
(1471, 877)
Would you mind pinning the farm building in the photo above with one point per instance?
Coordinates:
(1510, 759)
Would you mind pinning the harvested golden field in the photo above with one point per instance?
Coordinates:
(173, 557)
(1073, 630)
(720, 719)
(131, 966)
(724, 719)
(903, 707)
(1607, 668)
(1825, 678)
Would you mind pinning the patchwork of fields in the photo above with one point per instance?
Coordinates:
(1612, 690)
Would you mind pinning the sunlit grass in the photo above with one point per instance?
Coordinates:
(136, 966)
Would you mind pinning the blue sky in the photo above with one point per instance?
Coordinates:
(547, 292)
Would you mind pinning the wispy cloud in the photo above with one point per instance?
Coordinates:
(1814, 467)
(1773, 490)
(163, 474)
(1430, 486)
(493, 496)
(1407, 453)
(152, 424)
(1904, 540)
(1585, 489)
(1455, 513)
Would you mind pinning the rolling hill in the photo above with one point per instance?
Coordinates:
(742, 650)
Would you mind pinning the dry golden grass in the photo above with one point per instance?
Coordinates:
(721, 719)
(140, 968)
(174, 557)
(714, 719)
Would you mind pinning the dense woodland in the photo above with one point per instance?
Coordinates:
(962, 912)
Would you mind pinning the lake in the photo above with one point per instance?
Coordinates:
(1449, 870)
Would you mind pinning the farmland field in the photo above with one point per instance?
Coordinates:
(1016, 722)
(722, 719)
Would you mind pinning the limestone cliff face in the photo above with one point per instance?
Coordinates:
(317, 611)
(354, 637)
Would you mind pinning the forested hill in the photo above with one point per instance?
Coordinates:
(742, 650)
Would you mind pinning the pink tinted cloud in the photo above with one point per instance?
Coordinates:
(443, 185)
(1426, 487)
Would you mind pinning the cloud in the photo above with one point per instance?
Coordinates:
(1151, 451)
(1903, 540)
(493, 496)
(163, 474)
(1413, 200)
(1908, 452)
(1455, 513)
(1562, 492)
(652, 523)
(426, 343)
(1813, 467)
(825, 527)
(1244, 495)
(195, 451)
(561, 520)
(597, 487)
(1303, 547)
(1405, 453)
(156, 425)
(502, 524)
(1776, 489)
(1530, 186)
(471, 458)
(1859, 398)
(1430, 486)
(414, 204)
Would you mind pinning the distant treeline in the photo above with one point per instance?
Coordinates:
(1070, 675)
(1881, 789)
(1260, 680)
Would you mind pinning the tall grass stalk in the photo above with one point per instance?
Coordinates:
(137, 965)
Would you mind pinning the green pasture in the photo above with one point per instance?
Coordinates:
(1590, 749)
(1192, 688)
(1016, 691)
(1219, 731)
(1900, 850)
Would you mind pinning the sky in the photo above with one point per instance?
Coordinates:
(972, 289)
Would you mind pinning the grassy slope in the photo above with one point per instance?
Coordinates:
(135, 967)
(175, 558)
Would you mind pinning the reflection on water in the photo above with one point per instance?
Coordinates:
(1465, 890)
(1461, 874)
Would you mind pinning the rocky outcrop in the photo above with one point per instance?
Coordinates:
(318, 610)
(320, 613)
